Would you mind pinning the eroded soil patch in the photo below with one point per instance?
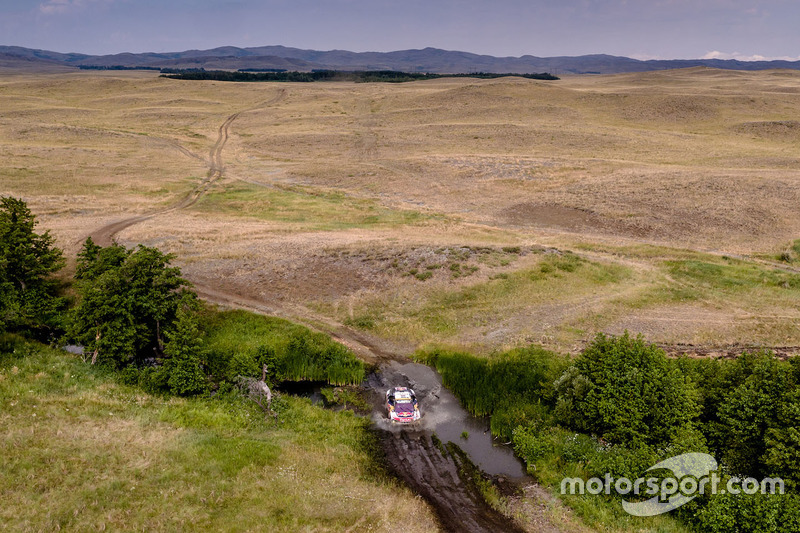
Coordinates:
(570, 219)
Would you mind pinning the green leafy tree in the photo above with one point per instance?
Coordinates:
(626, 391)
(745, 513)
(759, 410)
(28, 259)
(182, 367)
(782, 456)
(127, 300)
(94, 260)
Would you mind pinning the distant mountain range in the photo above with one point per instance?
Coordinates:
(424, 60)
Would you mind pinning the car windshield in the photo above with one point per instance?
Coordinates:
(404, 406)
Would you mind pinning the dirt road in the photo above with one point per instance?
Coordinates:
(216, 170)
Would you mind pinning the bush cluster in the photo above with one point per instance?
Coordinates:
(622, 406)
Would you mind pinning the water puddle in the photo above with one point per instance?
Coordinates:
(443, 415)
(304, 389)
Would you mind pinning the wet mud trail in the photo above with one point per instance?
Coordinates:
(440, 476)
(433, 458)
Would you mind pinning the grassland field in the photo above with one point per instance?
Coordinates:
(82, 451)
(441, 211)
(479, 215)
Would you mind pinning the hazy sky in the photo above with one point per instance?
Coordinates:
(644, 29)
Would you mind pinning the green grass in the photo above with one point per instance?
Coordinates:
(790, 255)
(759, 300)
(307, 208)
(239, 343)
(82, 452)
(699, 275)
(233, 331)
(730, 278)
(645, 251)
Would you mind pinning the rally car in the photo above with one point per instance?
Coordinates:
(401, 403)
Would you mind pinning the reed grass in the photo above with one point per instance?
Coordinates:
(240, 342)
(514, 387)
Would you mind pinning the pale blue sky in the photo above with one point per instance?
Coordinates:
(664, 29)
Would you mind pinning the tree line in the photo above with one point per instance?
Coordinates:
(623, 406)
(368, 76)
(131, 310)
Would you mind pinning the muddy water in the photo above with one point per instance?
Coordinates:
(443, 414)
(432, 470)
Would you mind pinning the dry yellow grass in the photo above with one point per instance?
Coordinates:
(326, 187)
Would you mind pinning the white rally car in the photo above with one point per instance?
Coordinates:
(401, 403)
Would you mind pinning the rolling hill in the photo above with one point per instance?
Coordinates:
(416, 60)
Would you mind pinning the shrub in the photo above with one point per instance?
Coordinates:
(745, 513)
(531, 443)
(516, 411)
(625, 391)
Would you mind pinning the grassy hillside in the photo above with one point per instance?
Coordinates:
(81, 451)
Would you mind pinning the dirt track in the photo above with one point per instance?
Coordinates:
(438, 475)
(105, 235)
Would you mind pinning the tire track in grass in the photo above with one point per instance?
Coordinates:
(104, 236)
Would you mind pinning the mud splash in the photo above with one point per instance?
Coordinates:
(443, 473)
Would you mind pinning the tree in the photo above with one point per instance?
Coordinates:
(127, 300)
(27, 261)
(782, 457)
(182, 366)
(94, 260)
(626, 391)
(759, 418)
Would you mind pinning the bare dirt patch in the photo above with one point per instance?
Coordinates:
(569, 219)
(782, 130)
(677, 323)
